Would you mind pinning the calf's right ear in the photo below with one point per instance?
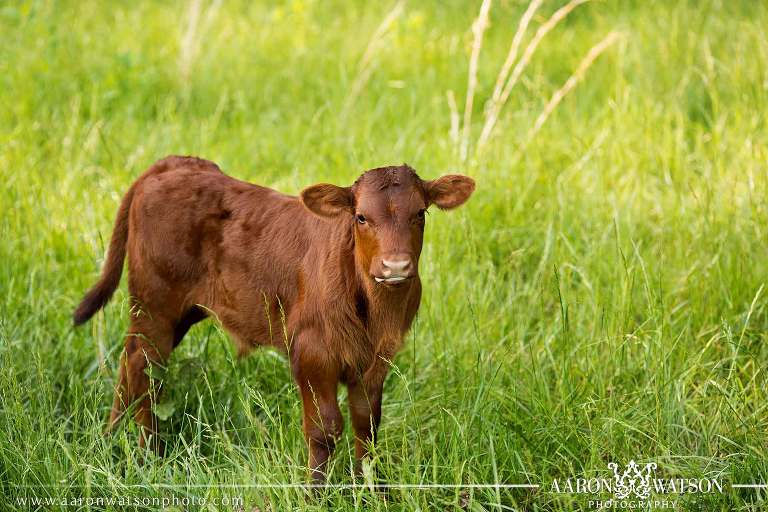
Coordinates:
(328, 200)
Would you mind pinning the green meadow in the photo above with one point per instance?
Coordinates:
(601, 298)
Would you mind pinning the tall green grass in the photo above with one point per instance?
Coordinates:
(601, 297)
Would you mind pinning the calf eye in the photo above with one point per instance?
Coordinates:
(421, 213)
(360, 218)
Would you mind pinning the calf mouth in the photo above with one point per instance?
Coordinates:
(392, 280)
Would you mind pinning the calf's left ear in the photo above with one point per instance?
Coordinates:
(328, 200)
(449, 191)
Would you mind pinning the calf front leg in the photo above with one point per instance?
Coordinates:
(323, 422)
(365, 409)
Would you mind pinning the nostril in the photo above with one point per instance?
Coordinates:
(397, 264)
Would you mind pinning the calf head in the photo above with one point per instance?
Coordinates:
(388, 206)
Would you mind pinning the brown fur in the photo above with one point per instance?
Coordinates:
(294, 273)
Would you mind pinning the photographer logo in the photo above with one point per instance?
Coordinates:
(635, 486)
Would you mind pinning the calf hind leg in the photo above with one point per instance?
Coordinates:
(149, 340)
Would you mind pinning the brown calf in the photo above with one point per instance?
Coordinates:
(330, 278)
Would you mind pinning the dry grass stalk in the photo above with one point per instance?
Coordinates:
(569, 84)
(194, 32)
(492, 114)
(514, 48)
(478, 28)
(367, 65)
(188, 41)
(454, 110)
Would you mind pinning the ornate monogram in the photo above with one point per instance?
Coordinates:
(634, 481)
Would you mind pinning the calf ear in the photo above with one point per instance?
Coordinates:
(449, 191)
(328, 200)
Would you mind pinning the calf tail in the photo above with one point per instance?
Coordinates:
(98, 296)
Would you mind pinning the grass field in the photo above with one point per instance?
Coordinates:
(600, 298)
